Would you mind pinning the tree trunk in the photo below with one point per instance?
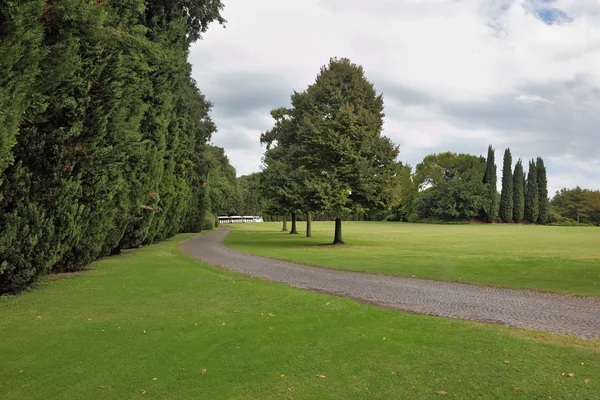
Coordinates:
(293, 231)
(338, 232)
(308, 224)
(284, 229)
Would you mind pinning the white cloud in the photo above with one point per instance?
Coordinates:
(476, 71)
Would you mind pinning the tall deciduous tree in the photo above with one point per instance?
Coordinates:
(506, 196)
(518, 193)
(542, 183)
(531, 195)
(281, 182)
(490, 180)
(345, 160)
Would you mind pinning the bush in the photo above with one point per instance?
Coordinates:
(209, 222)
(563, 221)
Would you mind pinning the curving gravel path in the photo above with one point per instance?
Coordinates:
(572, 315)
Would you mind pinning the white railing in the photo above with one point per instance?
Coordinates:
(239, 219)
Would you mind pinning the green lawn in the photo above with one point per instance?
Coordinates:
(148, 323)
(557, 259)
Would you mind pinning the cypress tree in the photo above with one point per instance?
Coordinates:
(518, 193)
(531, 195)
(490, 180)
(112, 133)
(507, 197)
(542, 183)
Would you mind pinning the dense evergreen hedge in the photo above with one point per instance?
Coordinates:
(102, 130)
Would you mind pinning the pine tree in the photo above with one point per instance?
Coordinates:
(507, 197)
(542, 183)
(531, 195)
(490, 180)
(518, 193)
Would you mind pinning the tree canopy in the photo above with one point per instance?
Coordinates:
(329, 151)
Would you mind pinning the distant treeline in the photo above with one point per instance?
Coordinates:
(103, 131)
(450, 188)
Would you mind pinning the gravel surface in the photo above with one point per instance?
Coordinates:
(566, 314)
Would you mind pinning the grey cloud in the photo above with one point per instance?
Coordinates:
(568, 122)
(240, 93)
(400, 93)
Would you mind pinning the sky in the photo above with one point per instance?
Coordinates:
(456, 75)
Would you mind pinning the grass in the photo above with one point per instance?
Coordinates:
(556, 259)
(156, 324)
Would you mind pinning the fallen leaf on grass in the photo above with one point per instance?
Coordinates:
(586, 381)
(571, 374)
(271, 329)
(203, 371)
(236, 311)
(282, 375)
(154, 379)
(320, 375)
(506, 361)
(271, 315)
(195, 324)
(143, 391)
(39, 316)
(20, 371)
(516, 389)
(102, 387)
(441, 392)
(103, 331)
(144, 331)
(224, 323)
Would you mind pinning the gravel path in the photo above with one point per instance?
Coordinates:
(572, 315)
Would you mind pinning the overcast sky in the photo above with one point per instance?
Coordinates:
(456, 75)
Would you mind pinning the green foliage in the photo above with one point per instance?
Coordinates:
(451, 185)
(223, 190)
(490, 207)
(436, 169)
(112, 131)
(209, 222)
(326, 154)
(531, 195)
(518, 193)
(452, 200)
(507, 195)
(579, 205)
(21, 33)
(405, 195)
(251, 201)
(542, 182)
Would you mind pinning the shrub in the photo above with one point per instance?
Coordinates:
(209, 222)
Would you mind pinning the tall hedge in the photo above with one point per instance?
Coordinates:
(102, 128)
